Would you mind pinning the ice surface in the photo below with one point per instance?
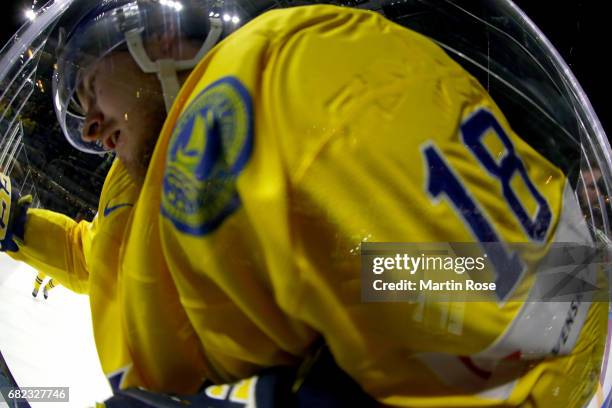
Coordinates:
(48, 343)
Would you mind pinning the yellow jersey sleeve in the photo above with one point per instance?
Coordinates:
(54, 244)
(66, 250)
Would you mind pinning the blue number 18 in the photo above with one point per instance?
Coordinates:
(442, 180)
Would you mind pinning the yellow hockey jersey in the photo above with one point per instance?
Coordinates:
(304, 133)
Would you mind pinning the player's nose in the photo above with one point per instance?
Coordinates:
(92, 127)
(96, 130)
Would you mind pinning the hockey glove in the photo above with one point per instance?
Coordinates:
(13, 210)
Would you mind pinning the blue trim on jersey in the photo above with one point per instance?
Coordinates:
(108, 210)
(115, 380)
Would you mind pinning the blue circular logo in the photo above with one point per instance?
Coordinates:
(210, 145)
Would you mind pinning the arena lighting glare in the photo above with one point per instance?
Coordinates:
(233, 18)
(30, 15)
(173, 4)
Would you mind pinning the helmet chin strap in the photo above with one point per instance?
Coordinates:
(167, 68)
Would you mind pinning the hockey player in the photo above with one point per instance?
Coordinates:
(40, 277)
(291, 141)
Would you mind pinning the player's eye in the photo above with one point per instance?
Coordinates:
(85, 92)
(75, 106)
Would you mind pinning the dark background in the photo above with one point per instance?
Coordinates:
(576, 28)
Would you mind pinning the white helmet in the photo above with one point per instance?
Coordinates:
(95, 31)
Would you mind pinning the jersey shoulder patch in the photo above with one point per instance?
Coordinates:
(210, 145)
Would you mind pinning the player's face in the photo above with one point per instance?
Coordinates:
(124, 110)
(591, 190)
